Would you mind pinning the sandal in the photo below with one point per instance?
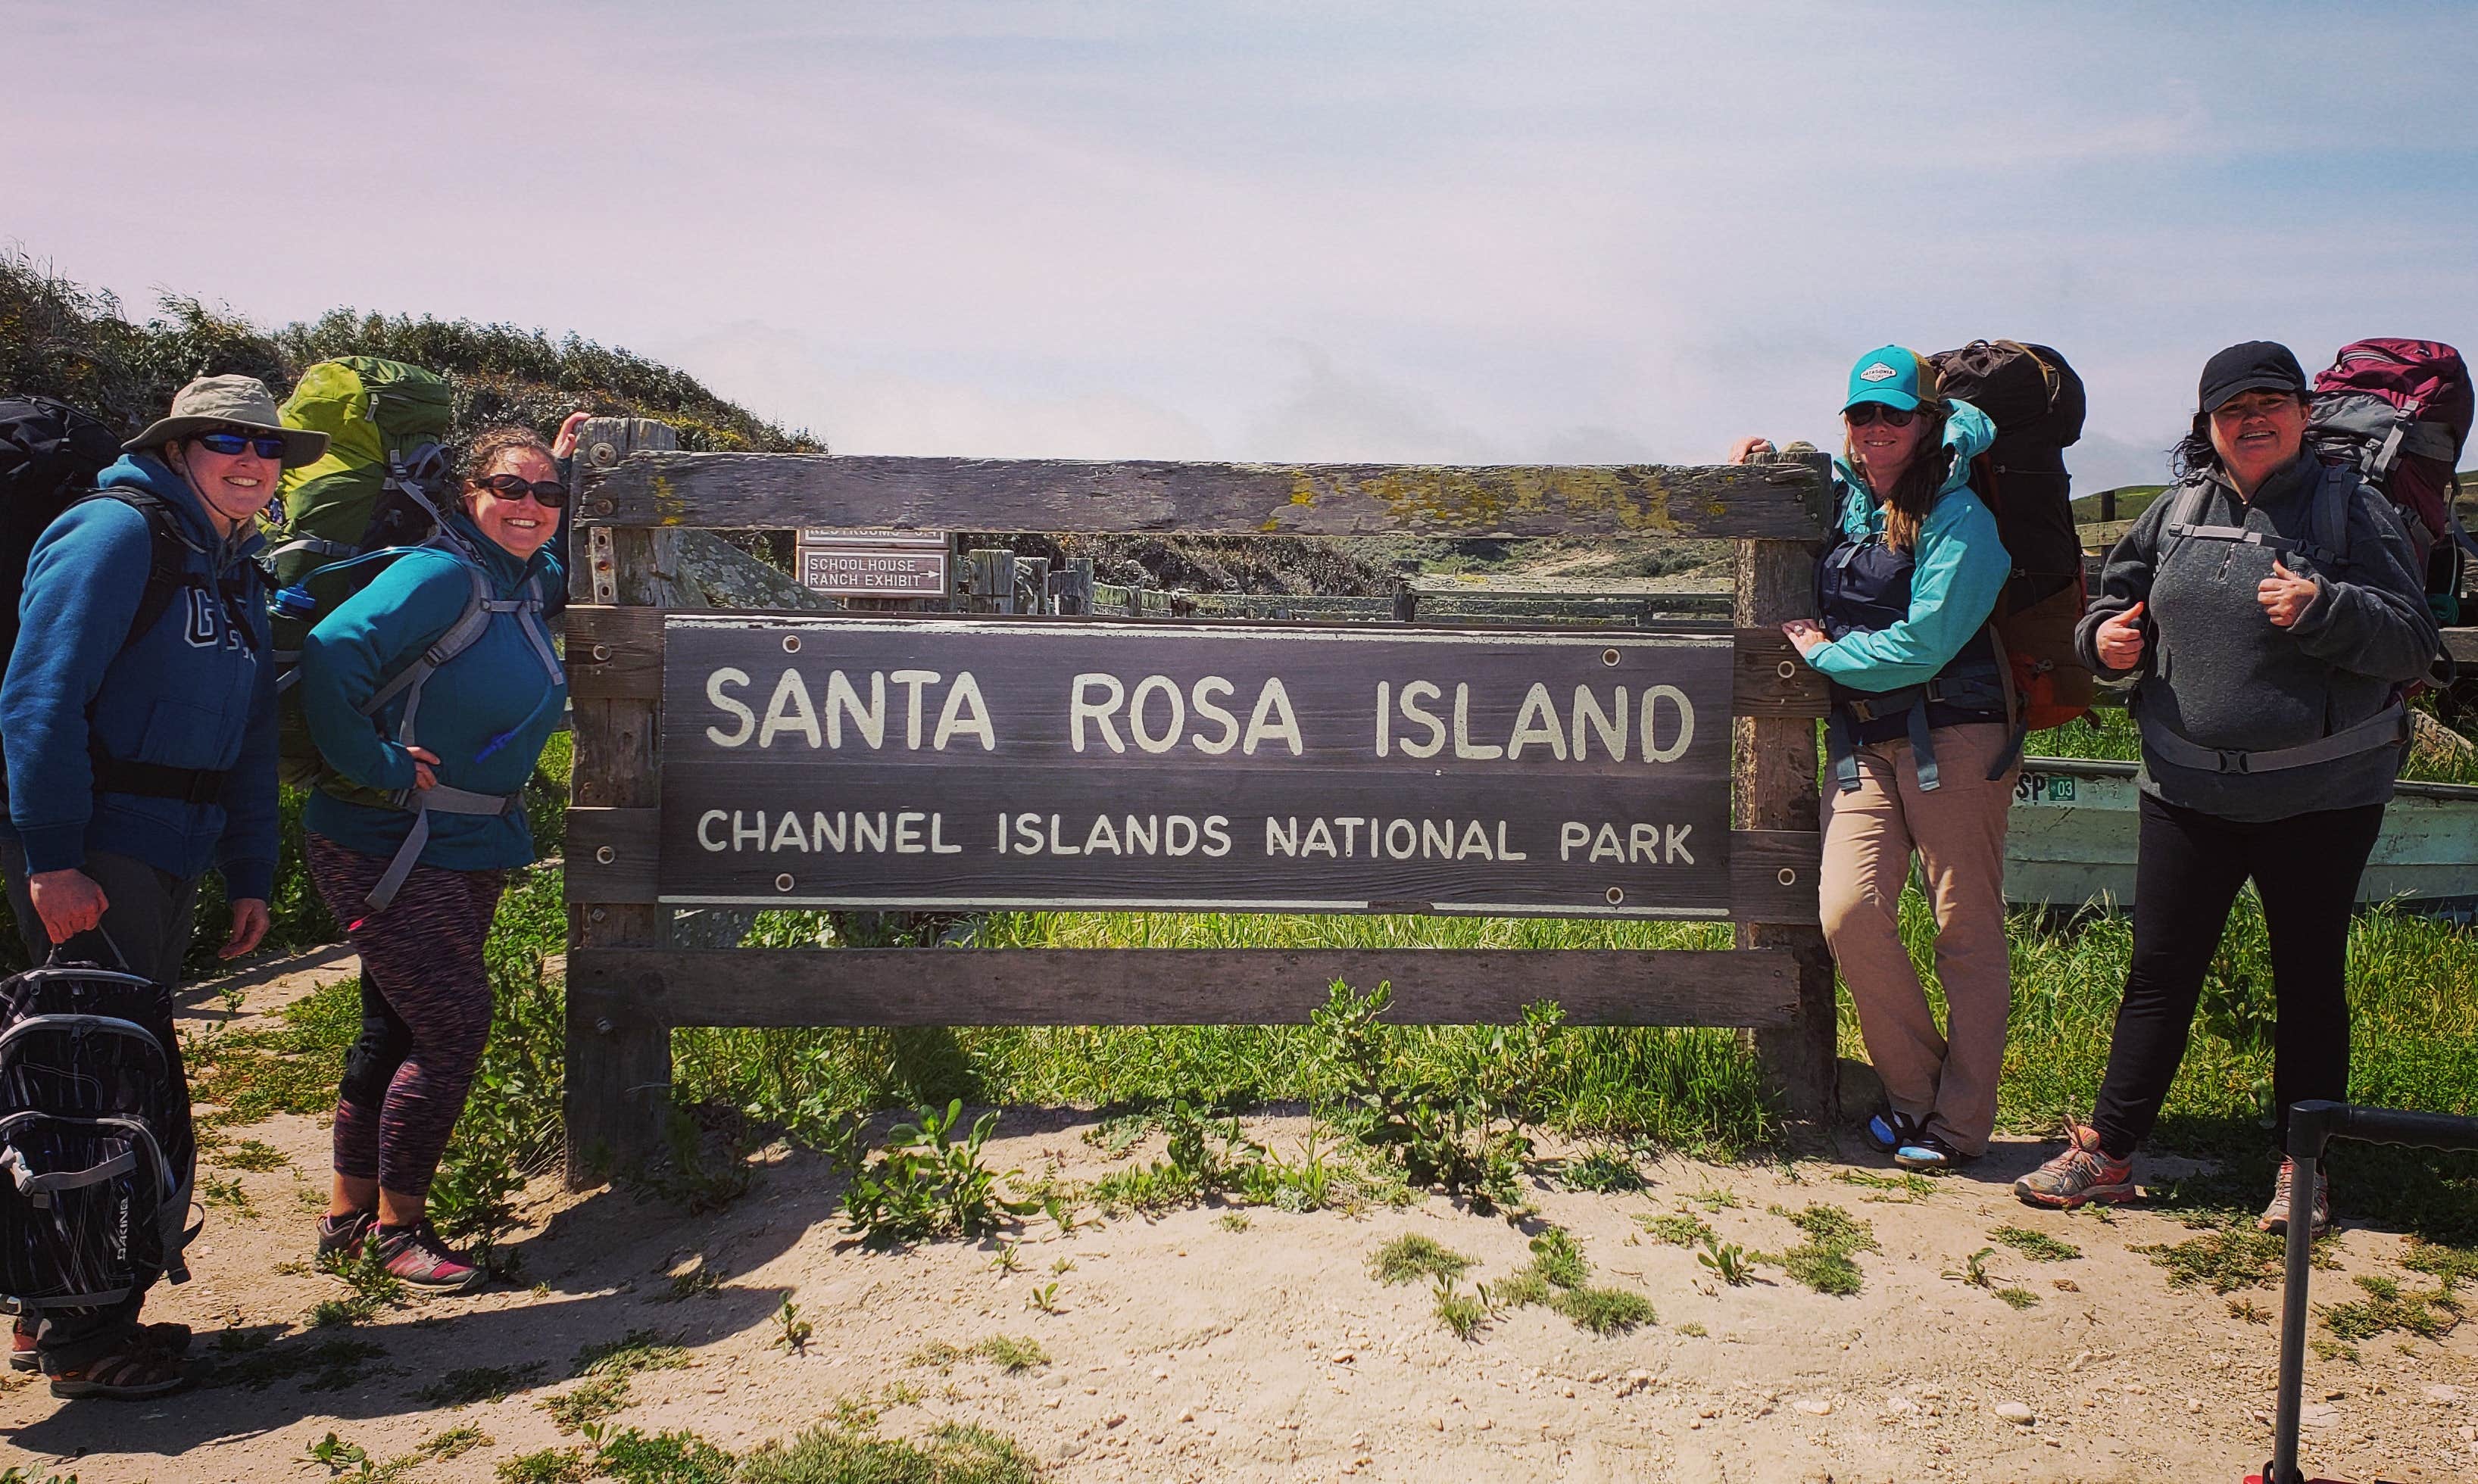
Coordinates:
(137, 1371)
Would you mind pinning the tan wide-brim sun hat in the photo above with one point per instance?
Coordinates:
(213, 402)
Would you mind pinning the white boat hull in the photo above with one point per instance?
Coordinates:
(2072, 834)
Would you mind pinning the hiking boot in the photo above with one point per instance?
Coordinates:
(340, 1237)
(2079, 1176)
(1888, 1129)
(141, 1367)
(2275, 1217)
(171, 1338)
(1929, 1152)
(416, 1255)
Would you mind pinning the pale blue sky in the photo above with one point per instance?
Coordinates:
(1430, 231)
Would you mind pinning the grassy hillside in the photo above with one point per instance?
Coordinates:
(62, 340)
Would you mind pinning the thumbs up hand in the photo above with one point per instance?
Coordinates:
(2284, 594)
(2120, 640)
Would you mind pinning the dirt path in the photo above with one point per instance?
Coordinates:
(1201, 1345)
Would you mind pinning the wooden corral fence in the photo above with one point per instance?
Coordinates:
(628, 985)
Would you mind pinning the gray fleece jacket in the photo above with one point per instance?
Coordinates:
(2217, 672)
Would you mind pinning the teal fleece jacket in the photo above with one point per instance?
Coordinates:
(486, 713)
(1960, 570)
(195, 691)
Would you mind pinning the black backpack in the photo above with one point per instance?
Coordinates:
(97, 1157)
(2037, 402)
(50, 455)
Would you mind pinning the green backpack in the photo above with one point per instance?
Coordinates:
(385, 423)
(375, 489)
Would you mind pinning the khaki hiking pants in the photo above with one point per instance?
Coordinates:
(1946, 1080)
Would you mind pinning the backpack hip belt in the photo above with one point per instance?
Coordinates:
(424, 802)
(1987, 696)
(157, 780)
(2387, 728)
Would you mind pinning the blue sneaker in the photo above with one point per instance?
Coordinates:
(1888, 1129)
(1931, 1153)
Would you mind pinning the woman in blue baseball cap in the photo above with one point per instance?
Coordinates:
(1922, 749)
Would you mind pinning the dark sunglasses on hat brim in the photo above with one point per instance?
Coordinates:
(267, 446)
(548, 494)
(1860, 415)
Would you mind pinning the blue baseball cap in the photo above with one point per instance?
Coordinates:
(1895, 376)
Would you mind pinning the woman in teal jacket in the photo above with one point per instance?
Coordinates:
(1922, 751)
(410, 842)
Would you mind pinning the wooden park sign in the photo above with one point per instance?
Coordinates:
(825, 762)
(797, 759)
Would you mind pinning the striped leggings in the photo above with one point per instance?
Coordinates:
(425, 1012)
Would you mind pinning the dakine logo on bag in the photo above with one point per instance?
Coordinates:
(1876, 372)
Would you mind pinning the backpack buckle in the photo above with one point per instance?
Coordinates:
(2231, 762)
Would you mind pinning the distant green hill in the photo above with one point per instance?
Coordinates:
(62, 340)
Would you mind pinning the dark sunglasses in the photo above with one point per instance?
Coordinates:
(1866, 412)
(265, 444)
(548, 494)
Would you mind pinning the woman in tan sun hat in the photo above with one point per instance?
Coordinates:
(140, 712)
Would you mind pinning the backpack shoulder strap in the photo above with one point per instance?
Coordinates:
(2334, 494)
(457, 638)
(168, 558)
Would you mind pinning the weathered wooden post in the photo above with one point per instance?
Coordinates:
(619, 1063)
(1075, 586)
(992, 588)
(1774, 788)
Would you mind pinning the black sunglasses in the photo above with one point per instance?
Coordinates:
(548, 494)
(1866, 412)
(266, 445)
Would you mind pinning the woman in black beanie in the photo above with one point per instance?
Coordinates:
(2271, 608)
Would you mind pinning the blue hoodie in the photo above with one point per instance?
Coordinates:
(486, 713)
(192, 692)
(1961, 569)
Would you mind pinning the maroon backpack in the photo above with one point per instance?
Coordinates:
(2400, 411)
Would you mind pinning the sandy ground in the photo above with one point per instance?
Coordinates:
(1192, 1347)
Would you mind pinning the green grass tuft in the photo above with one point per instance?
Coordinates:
(2036, 1246)
(953, 1453)
(1411, 1257)
(1603, 1311)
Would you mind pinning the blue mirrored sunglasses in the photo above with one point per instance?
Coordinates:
(266, 445)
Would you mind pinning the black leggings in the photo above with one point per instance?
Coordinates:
(2306, 867)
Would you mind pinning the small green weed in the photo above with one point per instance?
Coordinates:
(1823, 1268)
(792, 1333)
(1007, 1352)
(952, 1453)
(2230, 1257)
(257, 1361)
(2453, 1265)
(926, 1182)
(1558, 1259)
(2334, 1350)
(1411, 1257)
(1694, 1329)
(636, 1352)
(2388, 1307)
(1234, 1221)
(2036, 1246)
(589, 1400)
(228, 1194)
(454, 1442)
(1679, 1231)
(1716, 1200)
(1009, 1259)
(343, 1459)
(1727, 1261)
(1603, 1311)
(547, 1466)
(1603, 1171)
(1046, 1299)
(2248, 1310)
(682, 1457)
(2018, 1296)
(1907, 1185)
(1974, 1269)
(251, 1154)
(1460, 1311)
(479, 1383)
